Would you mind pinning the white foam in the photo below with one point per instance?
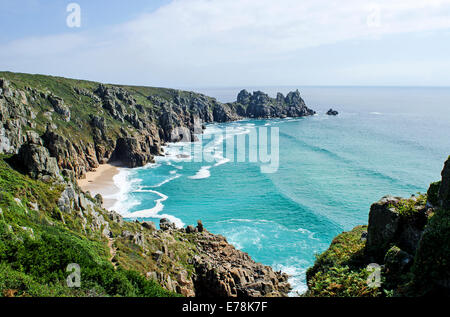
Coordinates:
(125, 184)
(154, 212)
(151, 165)
(177, 152)
(178, 167)
(165, 181)
(296, 276)
(222, 161)
(376, 113)
(202, 173)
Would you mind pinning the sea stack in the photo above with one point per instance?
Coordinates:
(332, 112)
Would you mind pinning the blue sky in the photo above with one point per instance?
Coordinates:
(202, 43)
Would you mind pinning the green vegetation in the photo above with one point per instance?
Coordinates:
(37, 242)
(339, 271)
(432, 263)
(408, 207)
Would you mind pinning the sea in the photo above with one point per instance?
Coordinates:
(282, 189)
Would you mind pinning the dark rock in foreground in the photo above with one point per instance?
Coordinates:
(220, 270)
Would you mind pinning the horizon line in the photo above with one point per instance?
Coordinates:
(183, 87)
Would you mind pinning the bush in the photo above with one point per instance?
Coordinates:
(432, 262)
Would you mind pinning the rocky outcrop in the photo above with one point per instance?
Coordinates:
(60, 107)
(223, 271)
(260, 105)
(76, 156)
(219, 269)
(332, 112)
(391, 224)
(36, 159)
(133, 152)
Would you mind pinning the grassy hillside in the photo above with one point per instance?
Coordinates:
(37, 244)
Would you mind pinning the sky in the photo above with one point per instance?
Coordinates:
(230, 43)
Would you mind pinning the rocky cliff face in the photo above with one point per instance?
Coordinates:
(84, 124)
(218, 269)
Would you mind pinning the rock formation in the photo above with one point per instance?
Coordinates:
(332, 112)
(220, 270)
(260, 105)
(223, 271)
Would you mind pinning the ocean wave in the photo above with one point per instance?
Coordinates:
(295, 268)
(125, 184)
(154, 212)
(202, 173)
(150, 166)
(277, 226)
(178, 167)
(166, 181)
(356, 166)
(222, 161)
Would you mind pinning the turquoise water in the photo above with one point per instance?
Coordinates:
(384, 141)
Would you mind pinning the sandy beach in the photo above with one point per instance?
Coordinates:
(101, 182)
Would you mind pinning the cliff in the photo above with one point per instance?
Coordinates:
(83, 124)
(407, 239)
(52, 131)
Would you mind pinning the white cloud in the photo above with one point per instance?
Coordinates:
(181, 42)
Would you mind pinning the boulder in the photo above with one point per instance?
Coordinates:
(150, 225)
(397, 262)
(332, 112)
(200, 226)
(384, 222)
(136, 237)
(190, 229)
(165, 224)
(115, 216)
(60, 107)
(99, 199)
(36, 159)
